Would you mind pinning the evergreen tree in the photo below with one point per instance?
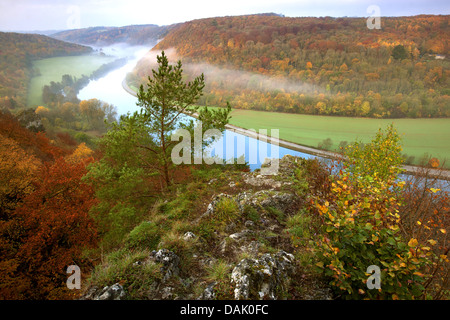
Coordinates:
(399, 52)
(166, 98)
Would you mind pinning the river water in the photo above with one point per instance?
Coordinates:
(231, 145)
(109, 88)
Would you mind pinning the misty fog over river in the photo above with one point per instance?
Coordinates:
(109, 89)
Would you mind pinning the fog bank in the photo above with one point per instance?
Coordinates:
(226, 77)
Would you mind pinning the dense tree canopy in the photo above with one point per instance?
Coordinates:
(44, 211)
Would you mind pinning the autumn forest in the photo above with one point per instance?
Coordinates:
(323, 66)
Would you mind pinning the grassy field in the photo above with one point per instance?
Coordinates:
(419, 136)
(52, 69)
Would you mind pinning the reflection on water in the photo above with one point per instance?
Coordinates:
(234, 145)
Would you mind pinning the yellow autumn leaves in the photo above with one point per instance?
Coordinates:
(362, 224)
(413, 243)
(82, 152)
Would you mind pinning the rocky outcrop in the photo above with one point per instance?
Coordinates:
(286, 165)
(29, 119)
(263, 278)
(114, 292)
(212, 205)
(170, 267)
(170, 263)
(247, 243)
(208, 293)
(189, 236)
(262, 181)
(258, 276)
(264, 199)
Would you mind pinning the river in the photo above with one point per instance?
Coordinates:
(231, 145)
(110, 90)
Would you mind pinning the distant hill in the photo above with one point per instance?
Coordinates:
(42, 32)
(133, 35)
(327, 66)
(17, 51)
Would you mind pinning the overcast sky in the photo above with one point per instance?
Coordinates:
(27, 15)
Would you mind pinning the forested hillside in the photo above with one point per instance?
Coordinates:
(41, 173)
(17, 51)
(134, 35)
(140, 225)
(326, 66)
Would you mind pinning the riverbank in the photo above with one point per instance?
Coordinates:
(127, 88)
(259, 136)
(408, 169)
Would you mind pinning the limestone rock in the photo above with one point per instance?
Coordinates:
(241, 235)
(114, 292)
(90, 293)
(189, 236)
(167, 293)
(262, 181)
(249, 223)
(215, 200)
(266, 277)
(208, 293)
(30, 120)
(252, 248)
(260, 199)
(276, 199)
(170, 262)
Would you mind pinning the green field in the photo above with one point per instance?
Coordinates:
(52, 69)
(419, 136)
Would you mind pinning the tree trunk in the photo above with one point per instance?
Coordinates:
(165, 161)
(166, 174)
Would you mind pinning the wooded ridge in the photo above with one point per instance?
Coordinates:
(325, 66)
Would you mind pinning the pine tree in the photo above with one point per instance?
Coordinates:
(166, 98)
(399, 52)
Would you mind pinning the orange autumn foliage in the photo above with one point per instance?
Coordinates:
(18, 170)
(47, 233)
(433, 163)
(44, 212)
(242, 56)
(36, 144)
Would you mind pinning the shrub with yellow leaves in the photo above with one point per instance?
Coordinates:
(425, 217)
(361, 225)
